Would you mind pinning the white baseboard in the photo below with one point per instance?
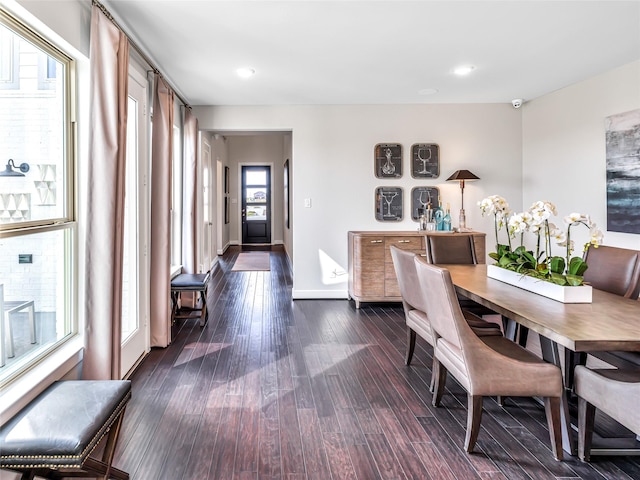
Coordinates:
(319, 294)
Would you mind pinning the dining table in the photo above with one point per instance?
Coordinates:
(609, 323)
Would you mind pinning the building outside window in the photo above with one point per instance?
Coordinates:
(37, 215)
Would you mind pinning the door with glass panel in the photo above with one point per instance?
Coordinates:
(135, 269)
(256, 204)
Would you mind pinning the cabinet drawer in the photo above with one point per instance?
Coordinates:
(406, 243)
(368, 250)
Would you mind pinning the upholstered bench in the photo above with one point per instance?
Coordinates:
(55, 434)
(189, 282)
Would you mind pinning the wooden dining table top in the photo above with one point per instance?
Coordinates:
(610, 322)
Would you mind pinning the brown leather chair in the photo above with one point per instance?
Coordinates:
(615, 270)
(455, 250)
(484, 366)
(451, 249)
(415, 308)
(614, 392)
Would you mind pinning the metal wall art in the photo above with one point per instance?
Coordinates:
(388, 160)
(425, 160)
(389, 204)
(421, 198)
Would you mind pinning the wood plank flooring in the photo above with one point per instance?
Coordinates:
(275, 389)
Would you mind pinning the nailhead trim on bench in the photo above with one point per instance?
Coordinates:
(85, 453)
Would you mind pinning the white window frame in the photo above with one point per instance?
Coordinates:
(61, 357)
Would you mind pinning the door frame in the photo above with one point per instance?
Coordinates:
(239, 190)
(206, 170)
(143, 195)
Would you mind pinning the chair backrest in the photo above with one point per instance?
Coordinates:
(445, 315)
(451, 249)
(613, 269)
(404, 264)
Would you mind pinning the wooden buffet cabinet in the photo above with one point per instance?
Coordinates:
(372, 277)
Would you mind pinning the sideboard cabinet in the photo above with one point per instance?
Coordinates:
(372, 277)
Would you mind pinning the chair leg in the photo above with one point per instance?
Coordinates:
(552, 409)
(586, 420)
(411, 345)
(474, 416)
(439, 381)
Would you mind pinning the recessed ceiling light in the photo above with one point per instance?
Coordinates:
(245, 72)
(427, 91)
(464, 69)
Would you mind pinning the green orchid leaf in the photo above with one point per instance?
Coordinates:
(505, 261)
(574, 280)
(557, 265)
(558, 278)
(577, 266)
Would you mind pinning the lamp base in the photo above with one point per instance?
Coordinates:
(462, 220)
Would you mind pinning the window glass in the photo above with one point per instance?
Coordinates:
(256, 177)
(37, 224)
(256, 195)
(33, 141)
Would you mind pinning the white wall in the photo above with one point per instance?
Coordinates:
(564, 157)
(333, 166)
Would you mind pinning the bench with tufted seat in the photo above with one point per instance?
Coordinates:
(55, 434)
(189, 282)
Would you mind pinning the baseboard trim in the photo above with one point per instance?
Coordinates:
(319, 294)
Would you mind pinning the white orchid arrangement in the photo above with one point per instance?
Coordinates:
(565, 270)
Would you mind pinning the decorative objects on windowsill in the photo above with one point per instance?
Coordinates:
(560, 272)
(461, 176)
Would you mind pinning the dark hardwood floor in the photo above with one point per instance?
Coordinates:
(274, 389)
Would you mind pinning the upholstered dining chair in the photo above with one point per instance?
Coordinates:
(615, 270)
(415, 307)
(455, 250)
(484, 366)
(451, 249)
(614, 392)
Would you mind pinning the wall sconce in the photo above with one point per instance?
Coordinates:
(461, 176)
(11, 172)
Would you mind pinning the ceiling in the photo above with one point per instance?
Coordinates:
(378, 52)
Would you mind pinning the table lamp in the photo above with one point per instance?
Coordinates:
(461, 176)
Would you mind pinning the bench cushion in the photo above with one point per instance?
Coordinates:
(190, 281)
(63, 424)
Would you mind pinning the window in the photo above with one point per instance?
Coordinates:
(37, 215)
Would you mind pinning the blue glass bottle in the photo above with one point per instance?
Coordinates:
(439, 216)
(446, 220)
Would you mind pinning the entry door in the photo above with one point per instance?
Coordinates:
(256, 204)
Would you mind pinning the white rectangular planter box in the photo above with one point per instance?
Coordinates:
(581, 294)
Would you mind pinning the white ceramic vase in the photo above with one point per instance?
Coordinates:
(581, 294)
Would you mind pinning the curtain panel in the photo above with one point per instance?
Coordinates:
(189, 203)
(109, 63)
(160, 251)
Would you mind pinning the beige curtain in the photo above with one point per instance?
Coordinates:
(189, 210)
(160, 251)
(109, 61)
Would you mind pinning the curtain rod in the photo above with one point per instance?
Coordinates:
(155, 69)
